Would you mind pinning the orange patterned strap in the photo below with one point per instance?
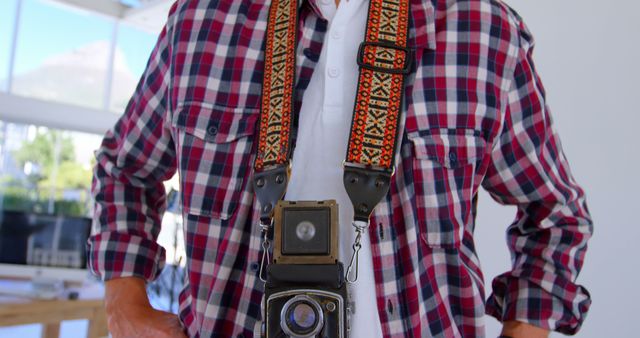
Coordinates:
(277, 85)
(384, 61)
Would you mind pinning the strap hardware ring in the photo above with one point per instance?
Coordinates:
(406, 68)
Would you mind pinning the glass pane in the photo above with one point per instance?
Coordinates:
(7, 22)
(132, 52)
(46, 170)
(62, 54)
(131, 3)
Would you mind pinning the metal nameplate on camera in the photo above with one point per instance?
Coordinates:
(306, 232)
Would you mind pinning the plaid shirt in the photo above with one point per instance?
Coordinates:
(474, 115)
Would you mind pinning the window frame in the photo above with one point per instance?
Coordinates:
(18, 109)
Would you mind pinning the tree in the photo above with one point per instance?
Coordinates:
(53, 154)
(41, 151)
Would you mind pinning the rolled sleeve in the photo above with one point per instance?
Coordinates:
(135, 158)
(548, 238)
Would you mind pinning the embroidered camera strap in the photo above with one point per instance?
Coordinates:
(383, 60)
(274, 142)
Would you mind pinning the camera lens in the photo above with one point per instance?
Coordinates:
(301, 317)
(305, 230)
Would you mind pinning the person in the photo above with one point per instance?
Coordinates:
(474, 114)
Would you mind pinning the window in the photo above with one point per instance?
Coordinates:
(132, 3)
(62, 54)
(132, 52)
(46, 170)
(7, 22)
(49, 171)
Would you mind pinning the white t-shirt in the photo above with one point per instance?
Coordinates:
(323, 130)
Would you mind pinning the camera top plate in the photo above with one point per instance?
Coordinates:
(306, 232)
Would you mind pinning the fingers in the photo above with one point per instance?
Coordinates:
(146, 324)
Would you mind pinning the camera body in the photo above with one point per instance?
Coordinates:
(305, 293)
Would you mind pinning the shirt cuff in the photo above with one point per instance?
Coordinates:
(556, 306)
(115, 254)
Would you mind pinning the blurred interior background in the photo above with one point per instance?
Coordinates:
(68, 68)
(67, 71)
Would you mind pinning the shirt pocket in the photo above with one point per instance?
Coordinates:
(444, 168)
(214, 156)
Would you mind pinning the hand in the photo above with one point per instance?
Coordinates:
(517, 329)
(129, 314)
(144, 322)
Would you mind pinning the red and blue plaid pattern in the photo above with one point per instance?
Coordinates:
(474, 114)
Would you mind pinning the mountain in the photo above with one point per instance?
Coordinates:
(79, 77)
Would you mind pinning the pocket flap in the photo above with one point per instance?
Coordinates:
(450, 148)
(214, 146)
(444, 168)
(214, 123)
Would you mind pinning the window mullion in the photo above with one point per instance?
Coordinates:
(14, 45)
(111, 65)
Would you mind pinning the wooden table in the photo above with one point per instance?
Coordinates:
(21, 311)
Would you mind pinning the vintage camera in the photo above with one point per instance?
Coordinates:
(305, 292)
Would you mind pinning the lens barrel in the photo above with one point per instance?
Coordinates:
(301, 317)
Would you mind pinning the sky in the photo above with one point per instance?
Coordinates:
(48, 29)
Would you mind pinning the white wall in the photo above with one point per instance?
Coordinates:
(588, 56)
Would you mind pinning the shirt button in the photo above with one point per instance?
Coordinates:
(336, 35)
(334, 72)
(453, 157)
(212, 130)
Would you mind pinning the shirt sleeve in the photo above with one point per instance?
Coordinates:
(136, 156)
(548, 238)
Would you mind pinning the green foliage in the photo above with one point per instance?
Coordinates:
(41, 150)
(70, 175)
(70, 208)
(15, 196)
(34, 194)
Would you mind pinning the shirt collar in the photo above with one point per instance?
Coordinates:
(423, 32)
(314, 7)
